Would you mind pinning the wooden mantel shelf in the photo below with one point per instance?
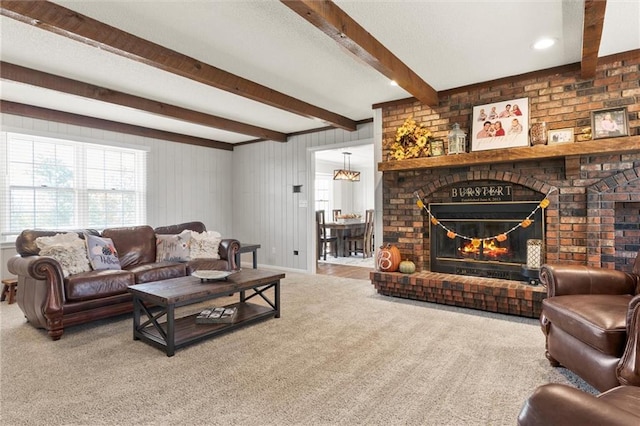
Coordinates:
(618, 145)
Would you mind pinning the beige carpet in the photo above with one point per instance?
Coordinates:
(340, 354)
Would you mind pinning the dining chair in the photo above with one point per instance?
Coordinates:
(325, 238)
(362, 243)
(336, 213)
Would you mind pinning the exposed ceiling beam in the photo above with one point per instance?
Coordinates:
(591, 36)
(335, 23)
(61, 84)
(23, 110)
(66, 22)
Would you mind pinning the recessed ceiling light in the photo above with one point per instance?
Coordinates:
(393, 83)
(544, 43)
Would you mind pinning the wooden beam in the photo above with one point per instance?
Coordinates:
(618, 145)
(591, 36)
(23, 110)
(65, 85)
(335, 23)
(68, 23)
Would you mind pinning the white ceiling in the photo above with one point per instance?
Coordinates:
(447, 43)
(359, 156)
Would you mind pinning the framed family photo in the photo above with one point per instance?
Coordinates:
(609, 123)
(500, 125)
(561, 135)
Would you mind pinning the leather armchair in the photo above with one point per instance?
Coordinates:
(555, 404)
(591, 323)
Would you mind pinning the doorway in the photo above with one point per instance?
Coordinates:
(349, 197)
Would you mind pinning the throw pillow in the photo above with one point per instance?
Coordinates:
(102, 252)
(204, 245)
(174, 247)
(68, 249)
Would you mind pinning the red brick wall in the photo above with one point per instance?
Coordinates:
(583, 222)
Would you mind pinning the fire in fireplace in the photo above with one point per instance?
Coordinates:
(485, 254)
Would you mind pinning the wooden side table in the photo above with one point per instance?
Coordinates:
(248, 248)
(9, 289)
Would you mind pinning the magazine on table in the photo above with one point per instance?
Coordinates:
(215, 315)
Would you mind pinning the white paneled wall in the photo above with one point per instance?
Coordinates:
(246, 194)
(266, 211)
(184, 182)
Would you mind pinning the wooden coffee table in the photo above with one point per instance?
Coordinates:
(154, 300)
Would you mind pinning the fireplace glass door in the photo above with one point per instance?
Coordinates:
(483, 254)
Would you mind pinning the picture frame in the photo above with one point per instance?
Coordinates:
(609, 123)
(500, 125)
(561, 136)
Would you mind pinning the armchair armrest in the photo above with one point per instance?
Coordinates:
(578, 279)
(628, 369)
(41, 293)
(557, 404)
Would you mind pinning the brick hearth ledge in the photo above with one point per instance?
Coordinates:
(487, 294)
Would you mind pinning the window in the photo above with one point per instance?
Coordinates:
(59, 184)
(324, 187)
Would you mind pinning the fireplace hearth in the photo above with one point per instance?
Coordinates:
(482, 254)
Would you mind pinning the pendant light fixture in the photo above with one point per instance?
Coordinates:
(346, 173)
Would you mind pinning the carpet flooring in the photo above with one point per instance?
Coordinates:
(339, 355)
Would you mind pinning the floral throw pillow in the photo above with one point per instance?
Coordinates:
(204, 245)
(68, 249)
(102, 253)
(173, 248)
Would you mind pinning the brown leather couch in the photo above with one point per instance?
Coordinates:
(557, 404)
(587, 322)
(50, 301)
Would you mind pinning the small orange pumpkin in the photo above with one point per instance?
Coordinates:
(388, 258)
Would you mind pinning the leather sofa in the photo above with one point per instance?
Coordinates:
(587, 319)
(558, 404)
(53, 302)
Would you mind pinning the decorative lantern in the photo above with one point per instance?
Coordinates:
(534, 254)
(538, 133)
(457, 140)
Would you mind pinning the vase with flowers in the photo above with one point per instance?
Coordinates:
(411, 141)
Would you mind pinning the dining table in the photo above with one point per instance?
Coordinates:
(342, 230)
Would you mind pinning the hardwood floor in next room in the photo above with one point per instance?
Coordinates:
(344, 271)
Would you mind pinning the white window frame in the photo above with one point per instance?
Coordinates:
(320, 202)
(135, 188)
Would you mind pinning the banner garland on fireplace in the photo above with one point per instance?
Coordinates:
(476, 240)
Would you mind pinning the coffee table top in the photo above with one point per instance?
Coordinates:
(188, 288)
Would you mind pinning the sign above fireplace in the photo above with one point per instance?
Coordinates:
(481, 193)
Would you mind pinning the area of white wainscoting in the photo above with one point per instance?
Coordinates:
(245, 194)
(184, 182)
(266, 210)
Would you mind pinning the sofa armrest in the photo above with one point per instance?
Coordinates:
(557, 404)
(628, 369)
(227, 251)
(578, 279)
(42, 295)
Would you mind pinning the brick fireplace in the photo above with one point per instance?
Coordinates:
(594, 214)
(593, 218)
